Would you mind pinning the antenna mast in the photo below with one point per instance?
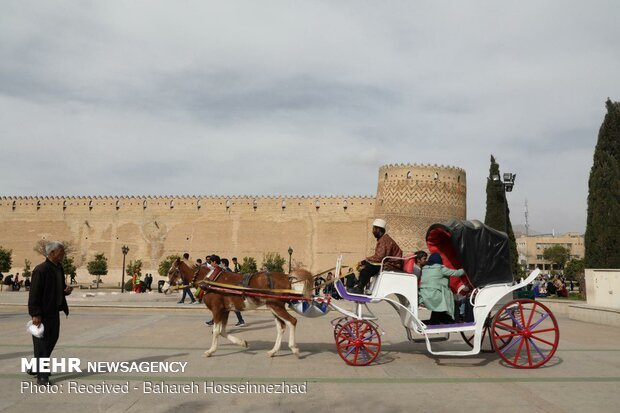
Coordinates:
(527, 224)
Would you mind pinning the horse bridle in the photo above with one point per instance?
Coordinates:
(176, 272)
(196, 275)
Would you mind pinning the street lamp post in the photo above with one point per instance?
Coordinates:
(290, 255)
(507, 185)
(125, 250)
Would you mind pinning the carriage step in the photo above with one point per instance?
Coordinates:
(411, 338)
(448, 328)
(431, 339)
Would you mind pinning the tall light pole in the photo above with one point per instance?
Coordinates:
(125, 250)
(527, 237)
(507, 185)
(290, 255)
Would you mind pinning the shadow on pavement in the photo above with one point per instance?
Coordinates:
(7, 356)
(554, 361)
(189, 407)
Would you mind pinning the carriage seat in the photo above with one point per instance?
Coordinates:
(342, 291)
(409, 264)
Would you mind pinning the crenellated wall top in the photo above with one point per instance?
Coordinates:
(166, 197)
(423, 174)
(422, 165)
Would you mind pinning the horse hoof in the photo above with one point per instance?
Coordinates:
(271, 353)
(296, 352)
(245, 344)
(206, 354)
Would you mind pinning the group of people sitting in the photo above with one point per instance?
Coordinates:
(546, 288)
(15, 283)
(327, 284)
(434, 289)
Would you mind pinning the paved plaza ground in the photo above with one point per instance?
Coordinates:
(583, 376)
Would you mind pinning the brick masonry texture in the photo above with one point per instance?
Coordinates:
(318, 228)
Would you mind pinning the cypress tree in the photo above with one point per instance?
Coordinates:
(498, 214)
(496, 208)
(602, 238)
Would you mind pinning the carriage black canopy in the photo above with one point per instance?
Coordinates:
(482, 251)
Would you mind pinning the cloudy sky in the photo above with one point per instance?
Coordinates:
(301, 98)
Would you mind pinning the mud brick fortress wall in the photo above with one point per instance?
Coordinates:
(410, 197)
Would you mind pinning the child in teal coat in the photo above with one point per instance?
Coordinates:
(435, 291)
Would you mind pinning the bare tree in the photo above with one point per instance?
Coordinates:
(40, 247)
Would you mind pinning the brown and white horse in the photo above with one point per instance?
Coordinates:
(221, 303)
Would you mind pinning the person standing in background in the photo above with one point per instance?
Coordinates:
(225, 267)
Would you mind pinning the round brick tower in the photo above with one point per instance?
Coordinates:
(412, 197)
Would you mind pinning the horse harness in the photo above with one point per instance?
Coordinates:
(211, 277)
(245, 281)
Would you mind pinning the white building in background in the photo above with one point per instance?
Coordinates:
(531, 249)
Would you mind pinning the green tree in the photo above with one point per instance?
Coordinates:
(495, 216)
(248, 265)
(557, 254)
(133, 267)
(273, 262)
(6, 259)
(129, 285)
(498, 213)
(602, 237)
(98, 266)
(68, 266)
(574, 269)
(165, 264)
(27, 273)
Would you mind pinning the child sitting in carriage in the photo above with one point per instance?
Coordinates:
(435, 291)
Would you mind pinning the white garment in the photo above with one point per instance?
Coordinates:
(34, 330)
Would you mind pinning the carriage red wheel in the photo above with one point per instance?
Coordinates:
(358, 343)
(532, 330)
(486, 343)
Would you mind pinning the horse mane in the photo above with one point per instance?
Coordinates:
(306, 277)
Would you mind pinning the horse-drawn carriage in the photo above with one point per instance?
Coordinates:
(523, 332)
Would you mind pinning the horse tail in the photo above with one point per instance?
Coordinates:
(307, 278)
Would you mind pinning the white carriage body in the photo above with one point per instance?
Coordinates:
(404, 287)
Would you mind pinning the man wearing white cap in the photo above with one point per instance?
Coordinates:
(386, 247)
